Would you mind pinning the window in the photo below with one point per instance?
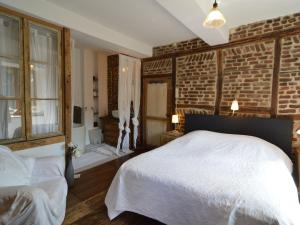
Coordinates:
(44, 81)
(30, 80)
(11, 77)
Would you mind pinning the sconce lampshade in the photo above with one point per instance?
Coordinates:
(175, 119)
(298, 131)
(234, 105)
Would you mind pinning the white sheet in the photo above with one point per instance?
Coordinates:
(13, 169)
(43, 202)
(208, 178)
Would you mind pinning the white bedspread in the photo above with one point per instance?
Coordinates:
(43, 202)
(211, 179)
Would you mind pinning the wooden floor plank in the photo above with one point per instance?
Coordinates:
(85, 202)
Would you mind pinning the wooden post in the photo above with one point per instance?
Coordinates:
(276, 71)
(68, 86)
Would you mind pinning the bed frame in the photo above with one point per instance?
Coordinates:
(275, 131)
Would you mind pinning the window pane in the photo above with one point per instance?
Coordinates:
(44, 81)
(9, 37)
(44, 66)
(45, 116)
(9, 78)
(10, 119)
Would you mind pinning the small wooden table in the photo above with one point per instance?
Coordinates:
(169, 136)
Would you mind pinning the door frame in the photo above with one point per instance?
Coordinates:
(170, 100)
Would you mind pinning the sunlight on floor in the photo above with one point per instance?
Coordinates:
(96, 155)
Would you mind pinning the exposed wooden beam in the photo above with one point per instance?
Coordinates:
(219, 81)
(276, 68)
(67, 87)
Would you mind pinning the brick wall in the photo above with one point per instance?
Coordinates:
(238, 33)
(247, 75)
(289, 81)
(246, 71)
(112, 82)
(157, 67)
(179, 47)
(289, 76)
(196, 79)
(265, 27)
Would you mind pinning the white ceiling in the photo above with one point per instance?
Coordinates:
(160, 22)
(144, 20)
(241, 12)
(135, 26)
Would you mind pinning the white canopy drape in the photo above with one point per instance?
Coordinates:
(128, 91)
(136, 98)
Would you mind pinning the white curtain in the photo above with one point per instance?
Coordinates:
(136, 98)
(124, 100)
(9, 70)
(129, 91)
(44, 85)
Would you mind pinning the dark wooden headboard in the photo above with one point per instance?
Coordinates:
(275, 131)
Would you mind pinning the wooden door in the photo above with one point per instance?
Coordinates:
(157, 109)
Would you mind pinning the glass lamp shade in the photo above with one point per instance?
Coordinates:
(214, 19)
(175, 119)
(234, 105)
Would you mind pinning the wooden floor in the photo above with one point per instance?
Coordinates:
(85, 202)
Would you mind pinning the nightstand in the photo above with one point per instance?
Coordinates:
(169, 136)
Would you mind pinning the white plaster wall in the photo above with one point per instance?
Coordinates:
(89, 65)
(86, 63)
(77, 78)
(102, 84)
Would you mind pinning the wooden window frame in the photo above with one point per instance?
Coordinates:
(28, 97)
(21, 97)
(64, 97)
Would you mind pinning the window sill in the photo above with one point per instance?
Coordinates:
(36, 143)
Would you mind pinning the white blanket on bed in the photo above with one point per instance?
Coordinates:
(211, 179)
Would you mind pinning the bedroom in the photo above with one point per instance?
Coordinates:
(241, 79)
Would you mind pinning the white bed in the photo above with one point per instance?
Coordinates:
(208, 178)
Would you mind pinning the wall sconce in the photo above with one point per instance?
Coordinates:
(175, 120)
(298, 131)
(234, 106)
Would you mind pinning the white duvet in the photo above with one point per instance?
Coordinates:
(211, 179)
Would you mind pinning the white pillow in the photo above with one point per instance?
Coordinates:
(13, 171)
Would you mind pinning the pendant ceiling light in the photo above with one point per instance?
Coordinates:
(215, 18)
